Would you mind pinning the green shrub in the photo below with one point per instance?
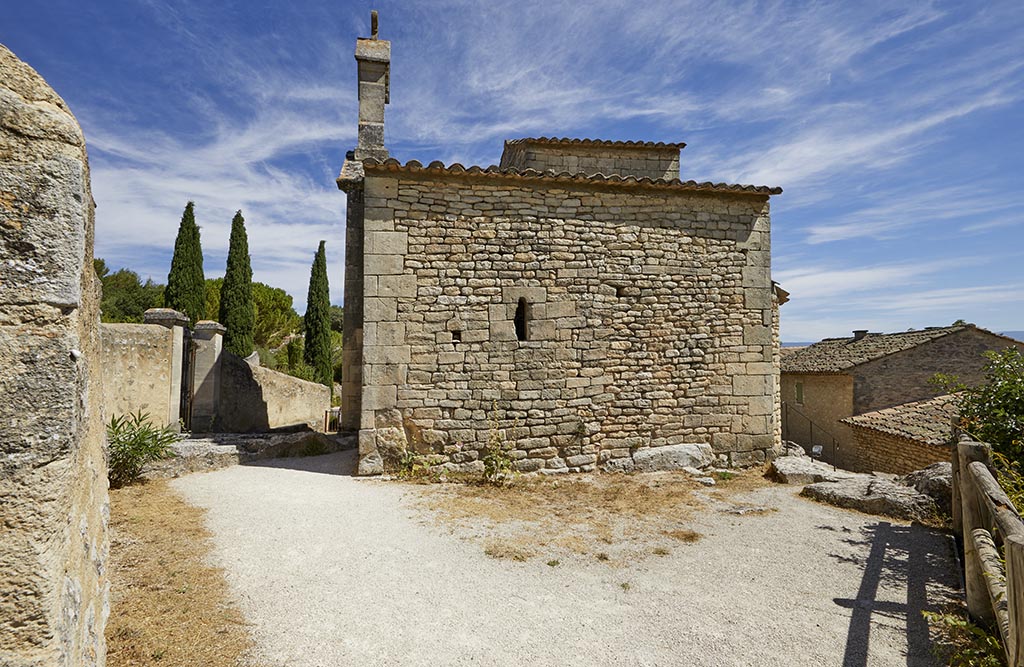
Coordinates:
(134, 441)
(964, 643)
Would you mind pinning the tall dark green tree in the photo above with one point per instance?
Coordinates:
(236, 309)
(317, 349)
(186, 286)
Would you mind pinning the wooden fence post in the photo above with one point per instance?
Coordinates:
(979, 604)
(1014, 648)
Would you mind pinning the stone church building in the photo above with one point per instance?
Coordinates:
(576, 303)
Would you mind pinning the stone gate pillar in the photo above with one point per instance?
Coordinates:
(208, 338)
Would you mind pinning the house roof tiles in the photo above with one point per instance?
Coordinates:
(928, 421)
(493, 171)
(603, 143)
(834, 355)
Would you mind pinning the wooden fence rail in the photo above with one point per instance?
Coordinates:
(991, 532)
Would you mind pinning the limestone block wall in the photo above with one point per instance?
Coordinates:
(642, 162)
(874, 451)
(255, 399)
(826, 399)
(904, 377)
(53, 478)
(648, 321)
(142, 368)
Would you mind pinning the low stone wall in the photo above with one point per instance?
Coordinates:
(53, 482)
(874, 451)
(142, 367)
(255, 399)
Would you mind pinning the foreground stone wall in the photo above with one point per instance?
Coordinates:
(637, 160)
(255, 399)
(905, 377)
(649, 321)
(874, 451)
(53, 481)
(142, 367)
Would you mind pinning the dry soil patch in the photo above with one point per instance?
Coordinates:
(168, 606)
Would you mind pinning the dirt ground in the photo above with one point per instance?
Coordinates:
(335, 570)
(168, 606)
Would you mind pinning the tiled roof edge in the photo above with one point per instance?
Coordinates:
(566, 141)
(414, 166)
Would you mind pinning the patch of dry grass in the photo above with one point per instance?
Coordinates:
(167, 606)
(616, 518)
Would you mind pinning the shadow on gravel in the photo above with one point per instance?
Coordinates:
(903, 558)
(338, 463)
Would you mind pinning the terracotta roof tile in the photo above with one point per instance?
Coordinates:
(493, 171)
(928, 421)
(565, 141)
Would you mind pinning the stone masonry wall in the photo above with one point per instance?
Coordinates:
(255, 399)
(874, 451)
(649, 321)
(581, 159)
(904, 377)
(139, 363)
(827, 399)
(53, 477)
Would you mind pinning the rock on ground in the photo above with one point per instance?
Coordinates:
(936, 482)
(215, 451)
(874, 495)
(805, 470)
(669, 457)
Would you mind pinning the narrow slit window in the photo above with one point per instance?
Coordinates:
(799, 393)
(522, 320)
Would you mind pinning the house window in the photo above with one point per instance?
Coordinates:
(522, 320)
(799, 393)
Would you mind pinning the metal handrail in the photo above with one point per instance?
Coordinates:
(786, 407)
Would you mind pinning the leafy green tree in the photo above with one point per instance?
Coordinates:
(236, 307)
(125, 297)
(338, 319)
(993, 412)
(317, 353)
(213, 288)
(337, 354)
(275, 317)
(186, 286)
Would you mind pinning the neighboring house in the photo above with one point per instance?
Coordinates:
(824, 383)
(574, 304)
(904, 438)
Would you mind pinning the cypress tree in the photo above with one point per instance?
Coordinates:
(186, 286)
(317, 349)
(236, 309)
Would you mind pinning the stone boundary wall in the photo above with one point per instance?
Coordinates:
(642, 162)
(142, 366)
(53, 472)
(255, 399)
(649, 317)
(874, 451)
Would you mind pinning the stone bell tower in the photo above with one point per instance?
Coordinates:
(373, 56)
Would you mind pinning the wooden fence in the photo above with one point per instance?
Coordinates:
(992, 533)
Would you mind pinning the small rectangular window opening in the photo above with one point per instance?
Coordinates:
(800, 393)
(522, 320)
(457, 336)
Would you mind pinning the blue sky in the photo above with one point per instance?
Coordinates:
(895, 128)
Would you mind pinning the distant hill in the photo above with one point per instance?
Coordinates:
(1019, 335)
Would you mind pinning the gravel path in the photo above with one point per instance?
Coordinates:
(334, 570)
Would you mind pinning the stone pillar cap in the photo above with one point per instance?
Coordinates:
(167, 317)
(210, 325)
